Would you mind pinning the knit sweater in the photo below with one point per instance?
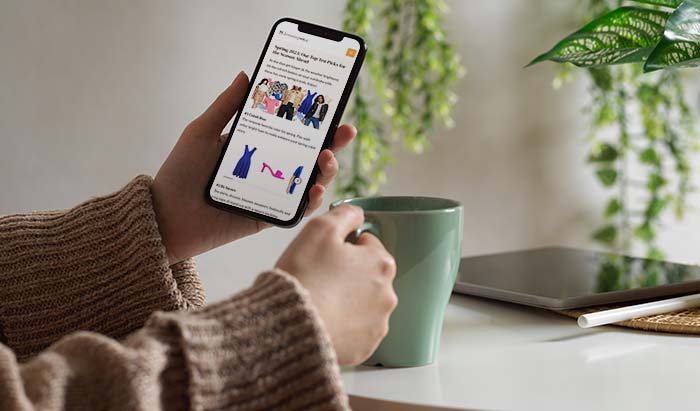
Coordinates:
(93, 317)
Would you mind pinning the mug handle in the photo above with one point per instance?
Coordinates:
(366, 227)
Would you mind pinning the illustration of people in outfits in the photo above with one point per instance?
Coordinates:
(298, 99)
(261, 91)
(307, 103)
(277, 89)
(243, 165)
(290, 102)
(271, 104)
(317, 112)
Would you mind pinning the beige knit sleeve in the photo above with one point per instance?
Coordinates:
(263, 349)
(100, 267)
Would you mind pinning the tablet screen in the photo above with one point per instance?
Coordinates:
(571, 277)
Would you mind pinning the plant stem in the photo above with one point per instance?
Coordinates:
(623, 169)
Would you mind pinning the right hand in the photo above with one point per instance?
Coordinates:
(350, 284)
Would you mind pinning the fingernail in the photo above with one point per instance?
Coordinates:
(238, 76)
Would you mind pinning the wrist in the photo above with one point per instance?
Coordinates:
(164, 226)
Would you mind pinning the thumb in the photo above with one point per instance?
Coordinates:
(225, 106)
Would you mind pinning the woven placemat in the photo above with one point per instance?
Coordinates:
(680, 322)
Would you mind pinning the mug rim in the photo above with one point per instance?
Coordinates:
(455, 204)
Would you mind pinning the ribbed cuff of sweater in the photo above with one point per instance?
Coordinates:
(100, 266)
(263, 349)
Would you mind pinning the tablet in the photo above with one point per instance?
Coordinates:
(564, 278)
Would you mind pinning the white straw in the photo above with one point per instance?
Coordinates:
(640, 310)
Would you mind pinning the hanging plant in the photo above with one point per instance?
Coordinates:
(407, 90)
(642, 128)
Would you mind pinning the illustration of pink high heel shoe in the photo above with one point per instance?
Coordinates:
(275, 174)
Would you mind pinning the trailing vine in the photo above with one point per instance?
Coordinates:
(641, 135)
(407, 91)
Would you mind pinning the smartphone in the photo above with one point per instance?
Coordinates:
(291, 111)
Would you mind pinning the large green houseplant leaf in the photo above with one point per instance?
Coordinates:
(684, 23)
(624, 35)
(680, 45)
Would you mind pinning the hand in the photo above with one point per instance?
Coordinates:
(188, 225)
(350, 284)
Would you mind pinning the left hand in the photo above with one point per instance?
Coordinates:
(188, 225)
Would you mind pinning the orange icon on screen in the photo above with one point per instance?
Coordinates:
(351, 52)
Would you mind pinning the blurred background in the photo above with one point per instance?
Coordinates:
(95, 93)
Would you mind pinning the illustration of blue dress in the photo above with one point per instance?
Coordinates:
(243, 165)
(308, 101)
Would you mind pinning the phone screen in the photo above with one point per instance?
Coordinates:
(281, 127)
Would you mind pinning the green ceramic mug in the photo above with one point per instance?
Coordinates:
(424, 235)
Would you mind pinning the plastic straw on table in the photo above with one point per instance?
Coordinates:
(640, 310)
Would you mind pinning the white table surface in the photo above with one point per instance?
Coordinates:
(500, 356)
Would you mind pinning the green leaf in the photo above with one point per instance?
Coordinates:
(624, 35)
(602, 77)
(680, 45)
(603, 153)
(671, 53)
(608, 277)
(606, 235)
(607, 176)
(655, 254)
(684, 22)
(613, 207)
(649, 94)
(656, 207)
(645, 232)
(651, 278)
(664, 3)
(649, 156)
(655, 182)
